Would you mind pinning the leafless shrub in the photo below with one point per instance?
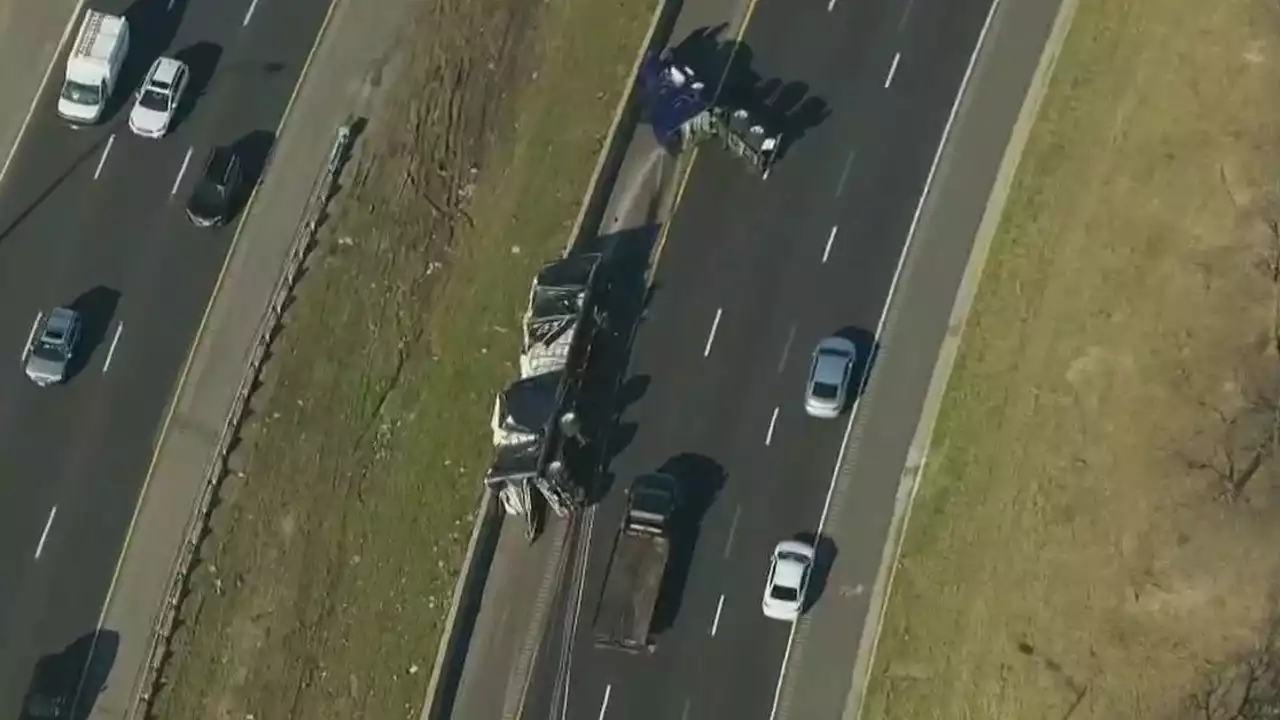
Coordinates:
(1245, 689)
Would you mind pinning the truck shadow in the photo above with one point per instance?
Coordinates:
(608, 384)
(700, 480)
(67, 684)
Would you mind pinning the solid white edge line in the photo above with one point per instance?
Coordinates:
(111, 352)
(35, 101)
(773, 423)
(884, 314)
(604, 706)
(253, 5)
(48, 523)
(711, 337)
(31, 335)
(826, 253)
(105, 151)
(186, 160)
(715, 624)
(893, 68)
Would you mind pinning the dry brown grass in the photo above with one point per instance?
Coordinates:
(322, 588)
(1074, 550)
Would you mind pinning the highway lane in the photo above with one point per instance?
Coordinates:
(71, 221)
(754, 253)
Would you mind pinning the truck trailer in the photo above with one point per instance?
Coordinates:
(633, 578)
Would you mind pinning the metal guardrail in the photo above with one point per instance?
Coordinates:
(322, 191)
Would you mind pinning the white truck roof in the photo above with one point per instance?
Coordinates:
(98, 36)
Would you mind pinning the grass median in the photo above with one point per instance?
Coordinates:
(1094, 533)
(322, 588)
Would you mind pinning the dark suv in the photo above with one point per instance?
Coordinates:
(213, 201)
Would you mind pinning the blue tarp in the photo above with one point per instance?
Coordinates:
(670, 103)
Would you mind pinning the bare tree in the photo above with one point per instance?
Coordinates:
(1247, 689)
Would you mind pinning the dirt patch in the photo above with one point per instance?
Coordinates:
(1097, 523)
(321, 589)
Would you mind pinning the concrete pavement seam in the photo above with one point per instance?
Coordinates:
(970, 280)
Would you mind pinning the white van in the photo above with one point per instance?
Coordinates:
(93, 67)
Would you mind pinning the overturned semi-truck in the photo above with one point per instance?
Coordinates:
(536, 418)
(683, 111)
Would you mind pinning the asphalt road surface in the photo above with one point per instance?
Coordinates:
(752, 276)
(94, 217)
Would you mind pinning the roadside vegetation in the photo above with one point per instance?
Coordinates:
(1096, 531)
(321, 590)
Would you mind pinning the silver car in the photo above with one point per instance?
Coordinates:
(51, 346)
(830, 375)
(788, 580)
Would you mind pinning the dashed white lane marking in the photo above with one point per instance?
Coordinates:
(733, 530)
(253, 4)
(112, 351)
(45, 535)
(906, 13)
(773, 422)
(604, 706)
(186, 160)
(844, 174)
(715, 624)
(893, 69)
(826, 252)
(786, 349)
(111, 139)
(31, 336)
(711, 337)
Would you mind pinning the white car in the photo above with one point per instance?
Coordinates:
(830, 376)
(789, 571)
(159, 97)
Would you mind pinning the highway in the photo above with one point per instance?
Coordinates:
(95, 217)
(752, 275)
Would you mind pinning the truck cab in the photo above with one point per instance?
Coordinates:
(93, 67)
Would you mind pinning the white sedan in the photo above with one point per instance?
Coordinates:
(159, 97)
(789, 571)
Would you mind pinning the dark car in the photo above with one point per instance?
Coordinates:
(213, 201)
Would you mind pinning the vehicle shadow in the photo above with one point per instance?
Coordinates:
(868, 350)
(202, 60)
(727, 65)
(612, 390)
(254, 150)
(824, 558)
(93, 151)
(97, 308)
(153, 24)
(67, 684)
(700, 480)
